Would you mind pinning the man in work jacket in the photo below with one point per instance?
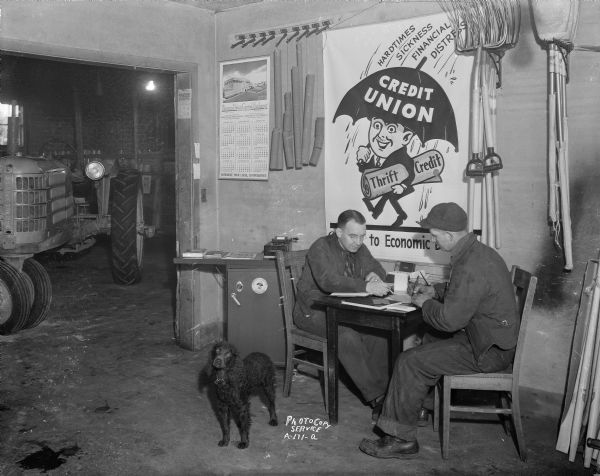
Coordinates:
(478, 308)
(340, 262)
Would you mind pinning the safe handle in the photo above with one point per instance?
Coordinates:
(234, 297)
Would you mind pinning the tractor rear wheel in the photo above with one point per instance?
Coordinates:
(15, 299)
(127, 227)
(42, 292)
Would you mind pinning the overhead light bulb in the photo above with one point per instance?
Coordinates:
(150, 86)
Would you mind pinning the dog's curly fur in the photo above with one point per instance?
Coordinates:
(235, 379)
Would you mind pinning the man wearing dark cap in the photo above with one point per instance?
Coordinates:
(477, 307)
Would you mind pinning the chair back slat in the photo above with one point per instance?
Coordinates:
(289, 269)
(524, 284)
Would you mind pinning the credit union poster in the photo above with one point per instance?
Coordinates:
(397, 122)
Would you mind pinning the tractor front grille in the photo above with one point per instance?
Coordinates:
(36, 201)
(31, 203)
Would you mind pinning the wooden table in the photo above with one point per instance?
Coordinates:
(339, 313)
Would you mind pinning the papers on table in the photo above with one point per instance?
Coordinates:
(400, 297)
(395, 297)
(218, 254)
(379, 303)
(363, 294)
(399, 306)
(240, 255)
(194, 253)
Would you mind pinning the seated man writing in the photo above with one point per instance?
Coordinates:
(477, 306)
(340, 262)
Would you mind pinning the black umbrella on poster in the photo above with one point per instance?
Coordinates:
(402, 95)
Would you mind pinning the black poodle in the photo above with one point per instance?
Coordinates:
(235, 379)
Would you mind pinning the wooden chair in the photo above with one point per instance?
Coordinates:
(506, 382)
(289, 269)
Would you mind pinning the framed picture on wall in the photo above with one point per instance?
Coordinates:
(244, 119)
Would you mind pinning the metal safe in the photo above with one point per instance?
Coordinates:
(255, 320)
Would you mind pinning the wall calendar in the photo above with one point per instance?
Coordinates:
(244, 119)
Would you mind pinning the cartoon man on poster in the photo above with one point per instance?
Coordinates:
(386, 148)
(401, 104)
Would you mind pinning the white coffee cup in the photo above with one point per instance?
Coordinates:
(400, 281)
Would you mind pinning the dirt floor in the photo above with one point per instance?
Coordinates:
(102, 388)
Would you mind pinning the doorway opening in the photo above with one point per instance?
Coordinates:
(78, 112)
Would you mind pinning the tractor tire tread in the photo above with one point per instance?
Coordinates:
(123, 234)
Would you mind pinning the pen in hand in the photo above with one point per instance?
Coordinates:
(415, 287)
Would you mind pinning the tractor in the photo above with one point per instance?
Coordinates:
(49, 204)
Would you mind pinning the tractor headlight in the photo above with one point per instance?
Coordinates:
(95, 170)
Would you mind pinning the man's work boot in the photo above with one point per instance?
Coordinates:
(389, 447)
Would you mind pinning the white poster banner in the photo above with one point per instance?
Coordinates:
(397, 127)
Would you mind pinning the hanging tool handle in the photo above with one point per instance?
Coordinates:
(485, 101)
(593, 443)
(553, 199)
(476, 104)
(475, 167)
(492, 161)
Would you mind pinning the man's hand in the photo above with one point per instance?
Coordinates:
(372, 276)
(378, 288)
(421, 293)
(362, 154)
(419, 299)
(418, 288)
(398, 188)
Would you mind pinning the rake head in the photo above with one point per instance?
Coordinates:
(492, 24)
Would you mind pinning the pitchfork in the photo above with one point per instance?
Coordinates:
(492, 26)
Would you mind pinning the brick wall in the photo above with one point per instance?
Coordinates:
(106, 95)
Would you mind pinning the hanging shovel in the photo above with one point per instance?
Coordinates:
(492, 162)
(552, 179)
(475, 165)
(563, 168)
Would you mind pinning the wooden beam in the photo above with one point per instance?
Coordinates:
(78, 128)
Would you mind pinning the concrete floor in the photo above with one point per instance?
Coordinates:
(101, 388)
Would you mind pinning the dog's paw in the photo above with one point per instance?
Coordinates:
(273, 422)
(242, 444)
(223, 442)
